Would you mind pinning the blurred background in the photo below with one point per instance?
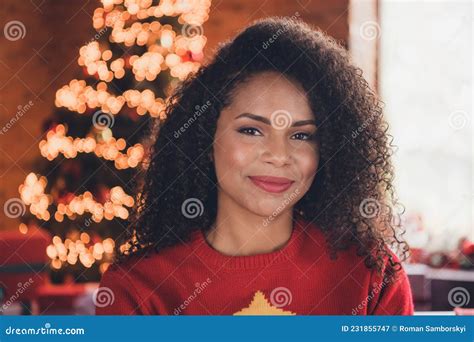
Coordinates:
(81, 81)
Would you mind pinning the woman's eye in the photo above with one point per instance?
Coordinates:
(249, 131)
(255, 132)
(303, 136)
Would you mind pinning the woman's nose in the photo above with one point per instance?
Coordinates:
(276, 152)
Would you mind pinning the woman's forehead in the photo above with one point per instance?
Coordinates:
(266, 93)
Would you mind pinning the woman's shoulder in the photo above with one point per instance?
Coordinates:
(350, 257)
(150, 259)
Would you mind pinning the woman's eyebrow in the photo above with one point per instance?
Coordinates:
(267, 122)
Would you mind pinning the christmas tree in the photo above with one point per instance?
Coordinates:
(82, 188)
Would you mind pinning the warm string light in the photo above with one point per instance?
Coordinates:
(165, 50)
(109, 148)
(23, 228)
(128, 246)
(85, 203)
(117, 67)
(82, 250)
(77, 96)
(178, 52)
(32, 194)
(95, 62)
(145, 101)
(150, 63)
(138, 33)
(146, 66)
(192, 14)
(187, 11)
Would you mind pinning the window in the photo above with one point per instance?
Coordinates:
(425, 80)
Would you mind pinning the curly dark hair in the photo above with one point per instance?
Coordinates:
(352, 198)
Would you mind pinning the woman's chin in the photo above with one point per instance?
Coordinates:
(270, 211)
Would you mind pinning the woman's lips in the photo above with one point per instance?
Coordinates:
(271, 184)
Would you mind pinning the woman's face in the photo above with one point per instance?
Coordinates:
(266, 131)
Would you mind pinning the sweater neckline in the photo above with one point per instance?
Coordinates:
(207, 253)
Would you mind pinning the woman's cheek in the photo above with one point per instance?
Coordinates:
(308, 160)
(240, 151)
(234, 157)
(242, 156)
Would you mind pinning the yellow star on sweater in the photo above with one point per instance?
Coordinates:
(261, 306)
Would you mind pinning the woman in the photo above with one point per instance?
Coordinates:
(268, 190)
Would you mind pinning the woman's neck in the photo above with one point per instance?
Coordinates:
(240, 232)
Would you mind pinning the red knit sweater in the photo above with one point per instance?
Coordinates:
(195, 279)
